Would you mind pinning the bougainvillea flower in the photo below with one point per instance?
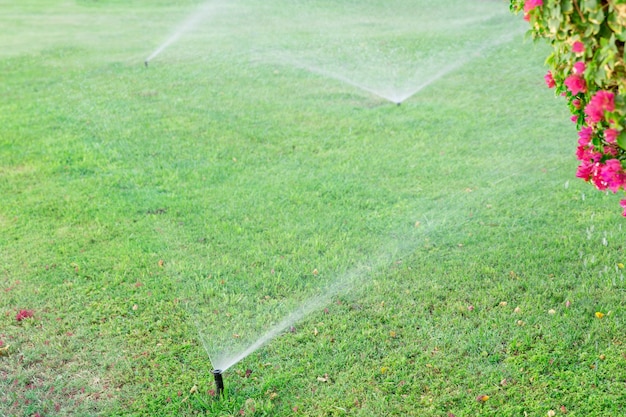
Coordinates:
(578, 47)
(550, 80)
(584, 135)
(623, 204)
(579, 67)
(610, 135)
(611, 150)
(576, 103)
(613, 175)
(531, 4)
(602, 101)
(576, 84)
(24, 314)
(584, 171)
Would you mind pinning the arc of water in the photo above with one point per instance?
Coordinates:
(397, 95)
(203, 12)
(340, 286)
(223, 362)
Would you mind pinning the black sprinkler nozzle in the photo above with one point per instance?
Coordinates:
(397, 104)
(146, 63)
(219, 382)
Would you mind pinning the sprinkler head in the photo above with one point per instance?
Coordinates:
(146, 63)
(397, 104)
(219, 382)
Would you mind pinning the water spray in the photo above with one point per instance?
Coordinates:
(200, 14)
(219, 382)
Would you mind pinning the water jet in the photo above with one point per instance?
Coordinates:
(219, 382)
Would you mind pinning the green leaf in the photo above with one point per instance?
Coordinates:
(589, 5)
(596, 17)
(621, 139)
(567, 7)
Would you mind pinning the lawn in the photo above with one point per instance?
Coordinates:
(443, 256)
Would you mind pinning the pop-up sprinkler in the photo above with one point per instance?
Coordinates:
(219, 382)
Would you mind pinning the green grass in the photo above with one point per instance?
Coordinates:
(219, 189)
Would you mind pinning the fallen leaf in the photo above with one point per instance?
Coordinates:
(315, 272)
(324, 378)
(551, 413)
(392, 334)
(4, 351)
(24, 314)
(482, 398)
(193, 389)
(599, 314)
(315, 332)
(568, 303)
(503, 303)
(563, 409)
(161, 263)
(248, 372)
(552, 311)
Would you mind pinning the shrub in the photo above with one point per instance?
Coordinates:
(587, 68)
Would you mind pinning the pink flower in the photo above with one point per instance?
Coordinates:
(531, 4)
(584, 171)
(612, 174)
(596, 179)
(602, 101)
(585, 135)
(576, 84)
(576, 103)
(549, 80)
(574, 119)
(587, 154)
(578, 47)
(610, 135)
(579, 67)
(24, 314)
(611, 150)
